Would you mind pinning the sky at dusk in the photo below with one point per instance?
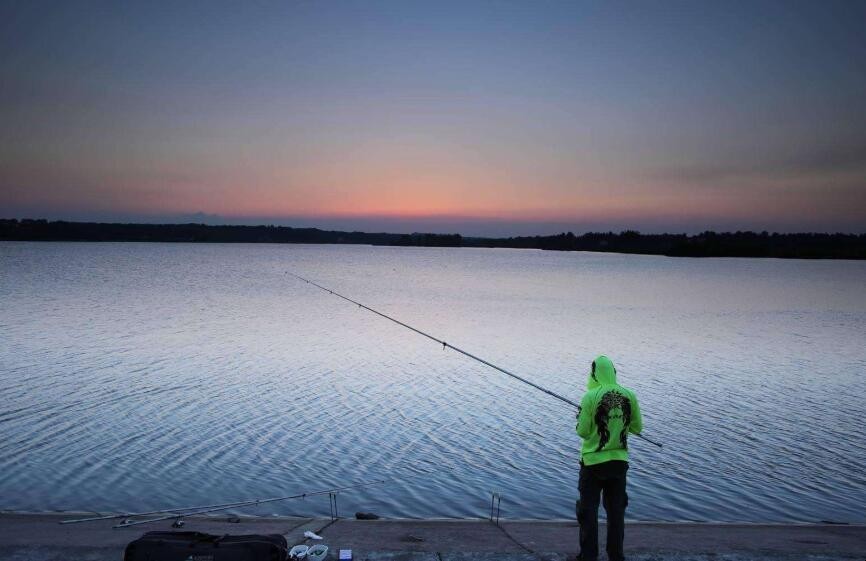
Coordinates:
(490, 118)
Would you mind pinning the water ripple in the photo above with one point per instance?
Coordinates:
(139, 376)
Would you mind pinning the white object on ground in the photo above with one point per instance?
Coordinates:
(317, 553)
(311, 535)
(345, 555)
(298, 552)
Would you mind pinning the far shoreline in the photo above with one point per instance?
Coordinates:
(706, 244)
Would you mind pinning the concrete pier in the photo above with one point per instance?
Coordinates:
(40, 537)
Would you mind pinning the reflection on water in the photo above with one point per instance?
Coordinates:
(140, 376)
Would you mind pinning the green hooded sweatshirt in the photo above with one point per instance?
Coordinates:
(608, 412)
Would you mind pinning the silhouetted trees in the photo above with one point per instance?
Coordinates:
(705, 244)
(431, 240)
(42, 230)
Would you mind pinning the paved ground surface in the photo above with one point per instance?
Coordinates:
(40, 537)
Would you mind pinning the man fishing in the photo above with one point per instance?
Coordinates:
(607, 413)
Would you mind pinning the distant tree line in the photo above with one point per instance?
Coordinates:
(706, 244)
(43, 230)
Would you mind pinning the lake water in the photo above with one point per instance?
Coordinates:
(142, 376)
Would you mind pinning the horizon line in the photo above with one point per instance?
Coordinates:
(324, 229)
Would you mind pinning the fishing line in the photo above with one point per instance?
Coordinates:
(459, 350)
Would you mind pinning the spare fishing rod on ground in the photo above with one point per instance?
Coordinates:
(461, 351)
(176, 511)
(192, 511)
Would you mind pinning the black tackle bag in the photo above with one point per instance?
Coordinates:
(197, 546)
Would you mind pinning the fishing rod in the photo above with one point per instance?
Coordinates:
(459, 350)
(252, 502)
(177, 511)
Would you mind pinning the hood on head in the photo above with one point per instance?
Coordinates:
(602, 373)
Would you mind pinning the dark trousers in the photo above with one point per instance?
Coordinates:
(605, 480)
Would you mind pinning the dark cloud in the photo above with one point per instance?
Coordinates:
(821, 160)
